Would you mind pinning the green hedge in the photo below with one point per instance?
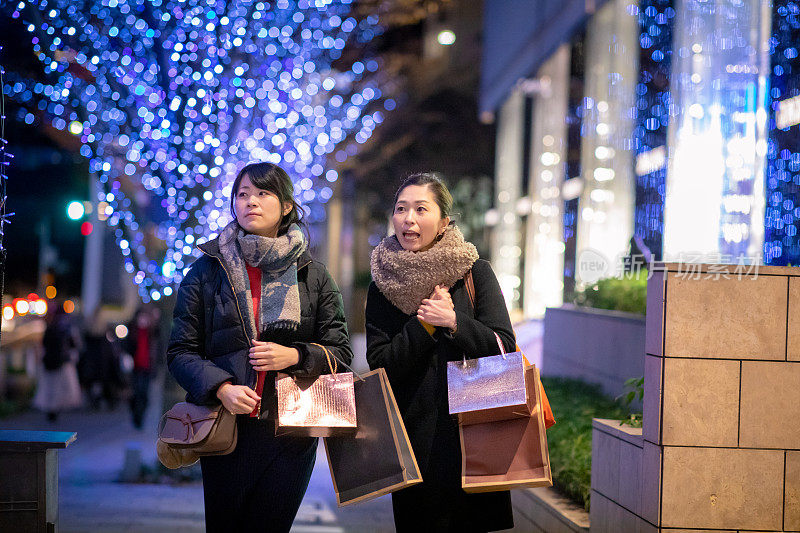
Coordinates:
(626, 294)
(575, 404)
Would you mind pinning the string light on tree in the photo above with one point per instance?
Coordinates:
(171, 98)
(5, 161)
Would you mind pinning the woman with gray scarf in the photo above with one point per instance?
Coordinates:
(253, 304)
(418, 317)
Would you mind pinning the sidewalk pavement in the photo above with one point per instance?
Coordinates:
(91, 499)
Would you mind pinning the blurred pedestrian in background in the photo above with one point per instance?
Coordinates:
(58, 388)
(142, 343)
(101, 366)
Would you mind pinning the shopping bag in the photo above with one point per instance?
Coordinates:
(378, 458)
(316, 407)
(488, 388)
(500, 412)
(507, 454)
(549, 419)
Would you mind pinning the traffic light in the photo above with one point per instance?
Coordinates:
(76, 210)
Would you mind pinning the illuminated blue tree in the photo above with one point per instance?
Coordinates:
(171, 97)
(4, 162)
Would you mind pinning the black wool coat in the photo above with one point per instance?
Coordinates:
(209, 345)
(416, 364)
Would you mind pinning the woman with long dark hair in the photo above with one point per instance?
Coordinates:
(253, 304)
(418, 317)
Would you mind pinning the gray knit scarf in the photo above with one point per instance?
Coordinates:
(406, 278)
(277, 259)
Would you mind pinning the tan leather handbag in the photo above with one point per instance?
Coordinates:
(188, 431)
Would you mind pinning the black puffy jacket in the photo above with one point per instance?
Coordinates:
(209, 345)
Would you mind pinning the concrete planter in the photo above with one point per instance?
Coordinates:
(620, 497)
(544, 510)
(593, 345)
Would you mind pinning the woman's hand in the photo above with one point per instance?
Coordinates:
(238, 399)
(272, 356)
(441, 293)
(438, 310)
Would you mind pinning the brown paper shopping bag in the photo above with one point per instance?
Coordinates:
(507, 454)
(378, 458)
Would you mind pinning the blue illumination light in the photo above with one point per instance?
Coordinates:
(174, 101)
(656, 19)
(782, 188)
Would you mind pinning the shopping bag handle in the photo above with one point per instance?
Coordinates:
(336, 361)
(335, 365)
(500, 344)
(469, 284)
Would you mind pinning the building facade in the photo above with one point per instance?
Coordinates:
(660, 128)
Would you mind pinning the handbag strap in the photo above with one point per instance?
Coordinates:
(500, 344)
(186, 421)
(161, 423)
(469, 283)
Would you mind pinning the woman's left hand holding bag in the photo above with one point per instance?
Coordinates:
(272, 356)
(438, 310)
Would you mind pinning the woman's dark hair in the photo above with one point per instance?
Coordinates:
(274, 179)
(440, 192)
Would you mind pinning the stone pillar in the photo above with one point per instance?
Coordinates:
(343, 240)
(544, 238)
(714, 204)
(506, 238)
(332, 245)
(606, 206)
(92, 283)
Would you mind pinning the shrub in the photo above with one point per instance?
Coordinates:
(575, 404)
(628, 293)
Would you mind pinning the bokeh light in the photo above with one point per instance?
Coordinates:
(22, 307)
(75, 210)
(170, 101)
(782, 191)
(446, 37)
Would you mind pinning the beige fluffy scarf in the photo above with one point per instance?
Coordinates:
(406, 278)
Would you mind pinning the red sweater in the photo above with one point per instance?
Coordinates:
(254, 273)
